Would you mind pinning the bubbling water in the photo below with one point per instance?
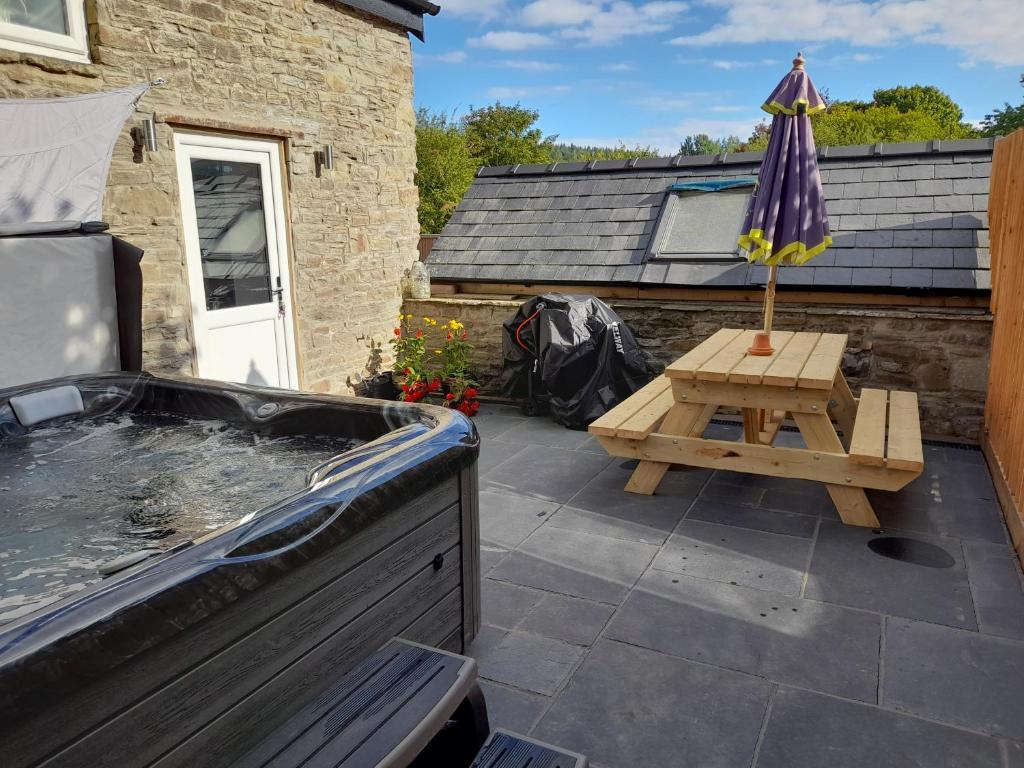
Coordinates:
(78, 494)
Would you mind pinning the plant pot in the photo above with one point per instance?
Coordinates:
(382, 387)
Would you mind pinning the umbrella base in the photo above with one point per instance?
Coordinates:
(762, 346)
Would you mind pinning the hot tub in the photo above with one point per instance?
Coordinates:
(185, 563)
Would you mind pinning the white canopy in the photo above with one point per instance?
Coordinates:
(55, 154)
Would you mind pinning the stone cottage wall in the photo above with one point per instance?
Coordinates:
(942, 354)
(310, 72)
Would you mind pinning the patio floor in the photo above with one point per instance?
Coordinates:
(731, 620)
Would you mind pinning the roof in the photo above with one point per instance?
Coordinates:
(903, 216)
(404, 13)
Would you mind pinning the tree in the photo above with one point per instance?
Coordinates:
(702, 144)
(923, 98)
(1005, 120)
(505, 135)
(445, 168)
(566, 153)
(902, 113)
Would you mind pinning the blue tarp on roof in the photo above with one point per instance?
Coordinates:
(712, 186)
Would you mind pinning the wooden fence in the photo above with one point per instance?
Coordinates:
(1003, 438)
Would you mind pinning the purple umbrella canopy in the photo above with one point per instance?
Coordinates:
(786, 222)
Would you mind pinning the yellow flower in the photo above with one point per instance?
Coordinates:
(437, 351)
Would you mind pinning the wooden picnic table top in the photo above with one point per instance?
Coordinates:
(801, 359)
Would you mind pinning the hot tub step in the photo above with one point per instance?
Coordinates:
(383, 713)
(505, 749)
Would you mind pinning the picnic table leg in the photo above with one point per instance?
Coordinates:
(843, 407)
(751, 426)
(851, 502)
(684, 419)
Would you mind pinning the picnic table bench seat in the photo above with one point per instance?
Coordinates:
(663, 423)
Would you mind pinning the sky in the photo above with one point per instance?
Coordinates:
(651, 72)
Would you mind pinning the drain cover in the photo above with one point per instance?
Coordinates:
(912, 551)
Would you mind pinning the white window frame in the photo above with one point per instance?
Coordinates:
(73, 46)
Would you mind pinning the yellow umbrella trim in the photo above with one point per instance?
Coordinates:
(761, 250)
(776, 108)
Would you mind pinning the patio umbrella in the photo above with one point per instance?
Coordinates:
(786, 222)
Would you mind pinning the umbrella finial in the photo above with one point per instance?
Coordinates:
(798, 62)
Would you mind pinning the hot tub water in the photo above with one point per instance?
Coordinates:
(76, 495)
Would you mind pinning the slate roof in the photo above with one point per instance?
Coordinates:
(405, 13)
(903, 216)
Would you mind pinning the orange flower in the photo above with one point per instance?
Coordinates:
(398, 331)
(419, 334)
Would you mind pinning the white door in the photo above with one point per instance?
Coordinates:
(235, 242)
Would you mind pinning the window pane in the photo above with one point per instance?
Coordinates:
(45, 15)
(703, 223)
(232, 233)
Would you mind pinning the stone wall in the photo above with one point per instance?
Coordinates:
(310, 72)
(942, 354)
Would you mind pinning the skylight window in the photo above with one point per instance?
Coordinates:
(701, 220)
(46, 27)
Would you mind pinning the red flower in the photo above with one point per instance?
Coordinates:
(407, 371)
(469, 392)
(435, 385)
(419, 334)
(405, 387)
(398, 331)
(449, 396)
(465, 336)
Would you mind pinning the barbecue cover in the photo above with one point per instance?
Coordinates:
(584, 357)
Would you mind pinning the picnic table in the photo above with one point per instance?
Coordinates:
(878, 444)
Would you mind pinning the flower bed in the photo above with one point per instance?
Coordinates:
(432, 358)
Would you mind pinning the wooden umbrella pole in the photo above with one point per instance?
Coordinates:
(769, 298)
(763, 340)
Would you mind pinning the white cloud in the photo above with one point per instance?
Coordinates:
(983, 30)
(452, 57)
(510, 41)
(598, 22)
(516, 92)
(528, 65)
(621, 66)
(484, 10)
(664, 103)
(728, 108)
(559, 13)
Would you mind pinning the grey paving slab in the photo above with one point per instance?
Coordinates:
(736, 555)
(493, 420)
(504, 605)
(490, 556)
(576, 563)
(510, 708)
(994, 573)
(486, 640)
(845, 571)
(493, 452)
(629, 706)
(603, 506)
(787, 640)
(941, 515)
(531, 662)
(542, 431)
(551, 474)
(809, 730)
(755, 518)
(957, 677)
(572, 619)
(507, 518)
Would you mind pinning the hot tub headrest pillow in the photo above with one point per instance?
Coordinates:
(47, 404)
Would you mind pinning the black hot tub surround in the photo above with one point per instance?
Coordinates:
(217, 637)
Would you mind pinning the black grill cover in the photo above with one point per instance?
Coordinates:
(583, 358)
